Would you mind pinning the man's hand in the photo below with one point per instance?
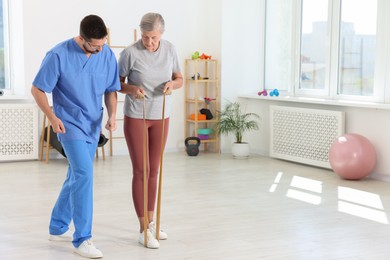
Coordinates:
(58, 126)
(111, 124)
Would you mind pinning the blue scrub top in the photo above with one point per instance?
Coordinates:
(77, 84)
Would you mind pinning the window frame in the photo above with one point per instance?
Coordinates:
(323, 93)
(14, 50)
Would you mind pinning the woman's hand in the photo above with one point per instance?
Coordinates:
(168, 88)
(139, 93)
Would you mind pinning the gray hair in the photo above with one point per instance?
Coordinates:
(151, 22)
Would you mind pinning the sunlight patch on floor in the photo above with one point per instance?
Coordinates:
(360, 197)
(351, 201)
(361, 204)
(276, 182)
(304, 196)
(306, 186)
(363, 212)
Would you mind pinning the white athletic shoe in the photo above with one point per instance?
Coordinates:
(152, 241)
(87, 249)
(66, 237)
(152, 228)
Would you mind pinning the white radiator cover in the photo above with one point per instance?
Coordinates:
(18, 132)
(304, 135)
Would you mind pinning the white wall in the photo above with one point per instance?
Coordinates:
(241, 46)
(190, 25)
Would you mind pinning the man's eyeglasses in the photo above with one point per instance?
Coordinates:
(95, 47)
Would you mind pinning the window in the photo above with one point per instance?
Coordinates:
(3, 50)
(278, 37)
(357, 47)
(313, 50)
(327, 48)
(12, 58)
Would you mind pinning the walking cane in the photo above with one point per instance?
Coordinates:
(146, 222)
(160, 175)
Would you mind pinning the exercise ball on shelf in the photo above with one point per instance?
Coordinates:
(352, 156)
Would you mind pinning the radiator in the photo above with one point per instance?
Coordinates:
(304, 135)
(18, 132)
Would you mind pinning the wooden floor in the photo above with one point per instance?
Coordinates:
(213, 207)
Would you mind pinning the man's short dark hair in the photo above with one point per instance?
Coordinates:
(93, 27)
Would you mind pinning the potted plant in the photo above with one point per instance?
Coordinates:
(233, 120)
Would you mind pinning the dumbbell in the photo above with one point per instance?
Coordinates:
(274, 92)
(262, 93)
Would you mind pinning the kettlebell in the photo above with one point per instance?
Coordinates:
(192, 145)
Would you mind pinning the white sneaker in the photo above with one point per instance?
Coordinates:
(152, 242)
(162, 235)
(66, 237)
(88, 250)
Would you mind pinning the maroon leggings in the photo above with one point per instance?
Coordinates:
(133, 130)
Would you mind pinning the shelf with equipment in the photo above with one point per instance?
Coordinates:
(202, 102)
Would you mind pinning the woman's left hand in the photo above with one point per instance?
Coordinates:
(168, 88)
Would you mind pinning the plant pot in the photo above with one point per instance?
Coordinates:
(240, 150)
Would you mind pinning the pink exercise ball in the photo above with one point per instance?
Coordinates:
(352, 156)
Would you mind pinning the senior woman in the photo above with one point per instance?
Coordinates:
(148, 70)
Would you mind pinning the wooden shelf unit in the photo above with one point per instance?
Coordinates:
(201, 81)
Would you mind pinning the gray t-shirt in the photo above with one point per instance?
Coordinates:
(149, 70)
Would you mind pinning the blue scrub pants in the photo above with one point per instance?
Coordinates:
(75, 201)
